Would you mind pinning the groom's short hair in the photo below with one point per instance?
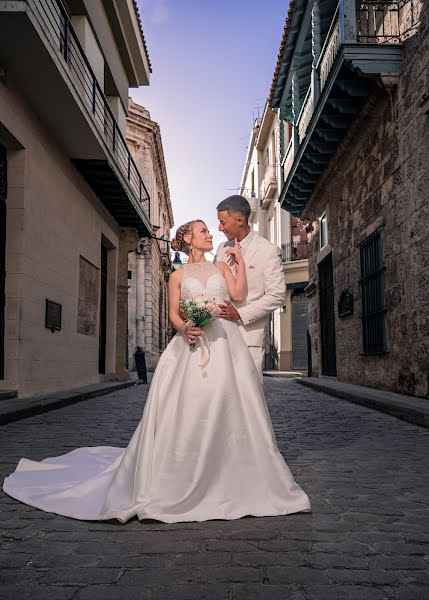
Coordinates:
(235, 204)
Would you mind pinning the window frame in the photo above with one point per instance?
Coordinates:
(323, 219)
(373, 293)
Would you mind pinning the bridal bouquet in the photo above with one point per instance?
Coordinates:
(199, 311)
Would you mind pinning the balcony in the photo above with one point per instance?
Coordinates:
(361, 41)
(46, 62)
(268, 185)
(294, 251)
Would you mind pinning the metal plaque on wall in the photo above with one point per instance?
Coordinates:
(345, 304)
(53, 315)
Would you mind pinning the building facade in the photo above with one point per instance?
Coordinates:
(286, 335)
(72, 201)
(351, 84)
(150, 265)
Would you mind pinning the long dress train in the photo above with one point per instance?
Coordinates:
(204, 448)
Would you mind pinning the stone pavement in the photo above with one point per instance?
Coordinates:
(366, 539)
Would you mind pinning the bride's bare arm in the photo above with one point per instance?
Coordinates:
(237, 286)
(174, 285)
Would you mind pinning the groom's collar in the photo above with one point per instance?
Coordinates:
(245, 242)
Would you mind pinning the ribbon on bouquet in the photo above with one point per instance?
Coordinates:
(204, 348)
(205, 353)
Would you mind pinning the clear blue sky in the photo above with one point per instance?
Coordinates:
(213, 62)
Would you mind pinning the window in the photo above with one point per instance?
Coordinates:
(372, 293)
(323, 228)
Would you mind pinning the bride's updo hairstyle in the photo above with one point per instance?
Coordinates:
(178, 243)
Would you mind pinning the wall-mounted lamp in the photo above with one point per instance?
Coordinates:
(177, 263)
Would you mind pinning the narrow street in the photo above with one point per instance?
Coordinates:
(366, 538)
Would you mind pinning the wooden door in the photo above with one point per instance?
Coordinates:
(327, 317)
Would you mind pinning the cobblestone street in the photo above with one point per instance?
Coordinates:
(366, 538)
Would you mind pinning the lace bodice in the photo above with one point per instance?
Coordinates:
(203, 279)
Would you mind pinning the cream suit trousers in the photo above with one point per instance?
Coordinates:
(257, 353)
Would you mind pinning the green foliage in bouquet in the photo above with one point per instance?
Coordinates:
(199, 311)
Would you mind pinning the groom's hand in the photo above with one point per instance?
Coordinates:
(229, 311)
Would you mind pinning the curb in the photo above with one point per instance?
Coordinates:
(284, 374)
(402, 408)
(18, 409)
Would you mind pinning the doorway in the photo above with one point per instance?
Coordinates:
(299, 331)
(103, 310)
(3, 194)
(327, 317)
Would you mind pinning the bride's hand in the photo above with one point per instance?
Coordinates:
(235, 252)
(192, 334)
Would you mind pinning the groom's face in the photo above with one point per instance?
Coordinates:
(229, 223)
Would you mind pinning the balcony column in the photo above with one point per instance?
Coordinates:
(128, 240)
(348, 26)
(295, 110)
(140, 300)
(315, 49)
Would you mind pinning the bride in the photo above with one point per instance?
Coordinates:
(204, 448)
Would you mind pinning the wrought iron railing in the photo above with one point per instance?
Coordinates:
(329, 50)
(57, 26)
(288, 160)
(294, 251)
(305, 115)
(373, 294)
(378, 22)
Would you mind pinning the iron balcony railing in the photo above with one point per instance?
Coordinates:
(377, 22)
(294, 251)
(57, 25)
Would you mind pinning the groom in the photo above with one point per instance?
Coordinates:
(265, 279)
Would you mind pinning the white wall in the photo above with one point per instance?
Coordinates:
(90, 45)
(53, 218)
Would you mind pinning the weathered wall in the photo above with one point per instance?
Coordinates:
(380, 174)
(144, 142)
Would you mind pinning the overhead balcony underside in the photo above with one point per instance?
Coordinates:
(105, 182)
(35, 66)
(348, 86)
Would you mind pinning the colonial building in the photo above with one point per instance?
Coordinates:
(72, 200)
(150, 265)
(286, 336)
(351, 87)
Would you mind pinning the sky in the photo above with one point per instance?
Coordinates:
(213, 62)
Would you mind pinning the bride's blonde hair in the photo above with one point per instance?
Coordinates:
(178, 243)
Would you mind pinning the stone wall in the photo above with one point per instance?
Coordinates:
(144, 141)
(380, 176)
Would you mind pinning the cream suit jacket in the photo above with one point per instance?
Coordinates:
(266, 287)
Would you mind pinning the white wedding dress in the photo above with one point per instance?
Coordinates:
(204, 449)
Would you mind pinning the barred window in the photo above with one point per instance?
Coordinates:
(372, 293)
